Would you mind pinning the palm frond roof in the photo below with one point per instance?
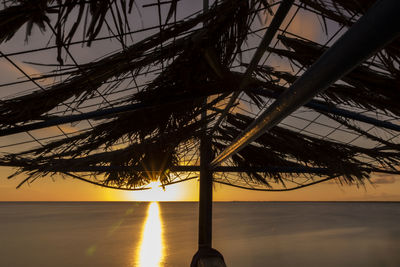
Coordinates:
(97, 55)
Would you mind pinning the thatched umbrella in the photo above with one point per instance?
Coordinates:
(162, 102)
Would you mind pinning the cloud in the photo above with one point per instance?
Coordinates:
(305, 24)
(54, 130)
(383, 179)
(9, 74)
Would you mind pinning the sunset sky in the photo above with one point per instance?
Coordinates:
(383, 188)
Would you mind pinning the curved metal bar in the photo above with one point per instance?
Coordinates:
(100, 169)
(277, 190)
(104, 185)
(125, 189)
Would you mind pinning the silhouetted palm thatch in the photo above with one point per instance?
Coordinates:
(186, 62)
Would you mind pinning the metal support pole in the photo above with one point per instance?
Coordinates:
(325, 107)
(206, 256)
(205, 197)
(205, 193)
(378, 27)
(97, 114)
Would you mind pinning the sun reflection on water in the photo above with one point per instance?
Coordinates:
(151, 248)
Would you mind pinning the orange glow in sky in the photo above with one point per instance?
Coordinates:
(58, 189)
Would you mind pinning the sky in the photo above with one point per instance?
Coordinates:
(57, 188)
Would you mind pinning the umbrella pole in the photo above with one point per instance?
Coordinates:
(206, 256)
(205, 195)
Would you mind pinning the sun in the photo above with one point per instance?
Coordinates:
(156, 193)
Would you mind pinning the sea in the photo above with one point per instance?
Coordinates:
(155, 234)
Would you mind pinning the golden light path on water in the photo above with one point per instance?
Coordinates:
(151, 249)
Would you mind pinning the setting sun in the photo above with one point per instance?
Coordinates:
(157, 193)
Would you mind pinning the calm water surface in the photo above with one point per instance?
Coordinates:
(165, 234)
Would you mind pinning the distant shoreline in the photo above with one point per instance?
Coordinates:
(197, 201)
